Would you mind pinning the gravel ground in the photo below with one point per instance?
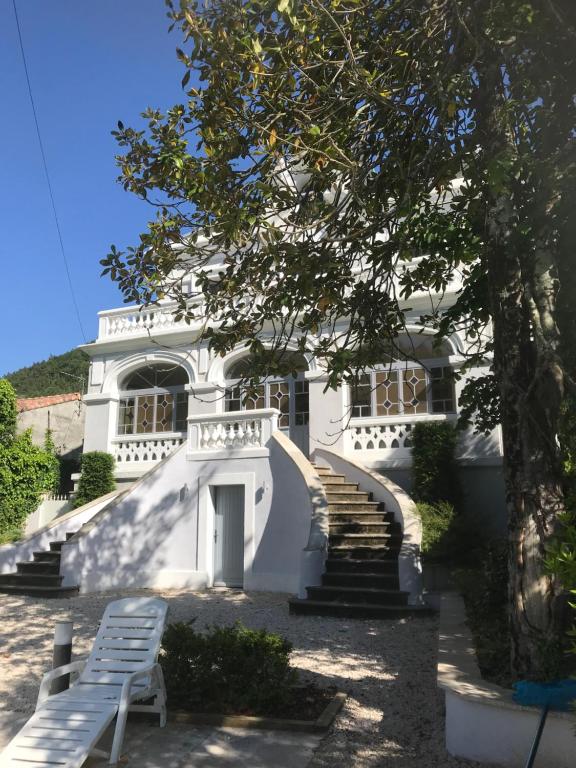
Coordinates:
(393, 715)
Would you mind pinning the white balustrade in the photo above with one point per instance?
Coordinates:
(233, 431)
(132, 450)
(135, 321)
(386, 434)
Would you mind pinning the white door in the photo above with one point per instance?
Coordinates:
(229, 536)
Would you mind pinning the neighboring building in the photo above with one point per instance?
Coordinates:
(62, 414)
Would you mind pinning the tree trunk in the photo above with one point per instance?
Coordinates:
(531, 387)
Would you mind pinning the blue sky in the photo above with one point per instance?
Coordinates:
(90, 64)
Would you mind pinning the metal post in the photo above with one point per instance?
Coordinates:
(62, 654)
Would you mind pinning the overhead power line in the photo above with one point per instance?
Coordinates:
(45, 164)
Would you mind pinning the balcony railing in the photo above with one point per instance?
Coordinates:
(387, 433)
(233, 431)
(136, 321)
(143, 451)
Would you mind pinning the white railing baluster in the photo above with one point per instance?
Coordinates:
(238, 430)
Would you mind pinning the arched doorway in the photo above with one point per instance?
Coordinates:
(289, 394)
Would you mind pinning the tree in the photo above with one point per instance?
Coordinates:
(347, 139)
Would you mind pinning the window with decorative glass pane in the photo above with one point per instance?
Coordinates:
(152, 411)
(403, 391)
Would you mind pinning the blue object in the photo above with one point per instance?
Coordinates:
(560, 694)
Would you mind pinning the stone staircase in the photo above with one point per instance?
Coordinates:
(39, 577)
(361, 576)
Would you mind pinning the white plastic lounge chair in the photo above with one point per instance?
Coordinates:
(121, 669)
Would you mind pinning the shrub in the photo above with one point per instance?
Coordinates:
(8, 412)
(25, 469)
(226, 669)
(436, 521)
(433, 465)
(97, 477)
(25, 472)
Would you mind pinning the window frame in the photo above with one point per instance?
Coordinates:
(155, 393)
(398, 367)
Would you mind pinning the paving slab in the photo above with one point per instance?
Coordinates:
(180, 745)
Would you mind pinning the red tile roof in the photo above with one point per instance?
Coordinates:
(31, 403)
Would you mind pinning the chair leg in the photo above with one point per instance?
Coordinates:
(161, 696)
(119, 733)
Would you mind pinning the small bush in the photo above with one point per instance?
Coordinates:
(97, 477)
(434, 469)
(436, 521)
(230, 670)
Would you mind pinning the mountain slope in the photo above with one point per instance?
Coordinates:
(59, 374)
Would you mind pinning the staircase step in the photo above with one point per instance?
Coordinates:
(340, 487)
(30, 579)
(35, 567)
(353, 579)
(362, 517)
(329, 478)
(335, 496)
(46, 557)
(340, 565)
(356, 610)
(364, 595)
(356, 526)
(56, 546)
(354, 506)
(371, 540)
(30, 591)
(70, 534)
(363, 553)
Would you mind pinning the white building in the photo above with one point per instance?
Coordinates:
(218, 489)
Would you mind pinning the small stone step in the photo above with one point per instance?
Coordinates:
(362, 517)
(363, 553)
(353, 506)
(331, 479)
(30, 591)
(368, 579)
(30, 579)
(335, 497)
(356, 610)
(56, 546)
(47, 557)
(386, 564)
(355, 526)
(340, 487)
(355, 540)
(364, 595)
(36, 566)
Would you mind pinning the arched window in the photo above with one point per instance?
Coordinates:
(289, 394)
(153, 399)
(406, 387)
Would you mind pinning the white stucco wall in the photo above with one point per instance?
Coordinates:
(56, 530)
(160, 533)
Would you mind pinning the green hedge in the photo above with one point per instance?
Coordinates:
(26, 470)
(97, 477)
(230, 670)
(433, 465)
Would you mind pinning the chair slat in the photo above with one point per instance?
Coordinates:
(143, 644)
(123, 633)
(119, 655)
(136, 623)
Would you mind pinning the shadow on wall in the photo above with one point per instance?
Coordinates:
(129, 543)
